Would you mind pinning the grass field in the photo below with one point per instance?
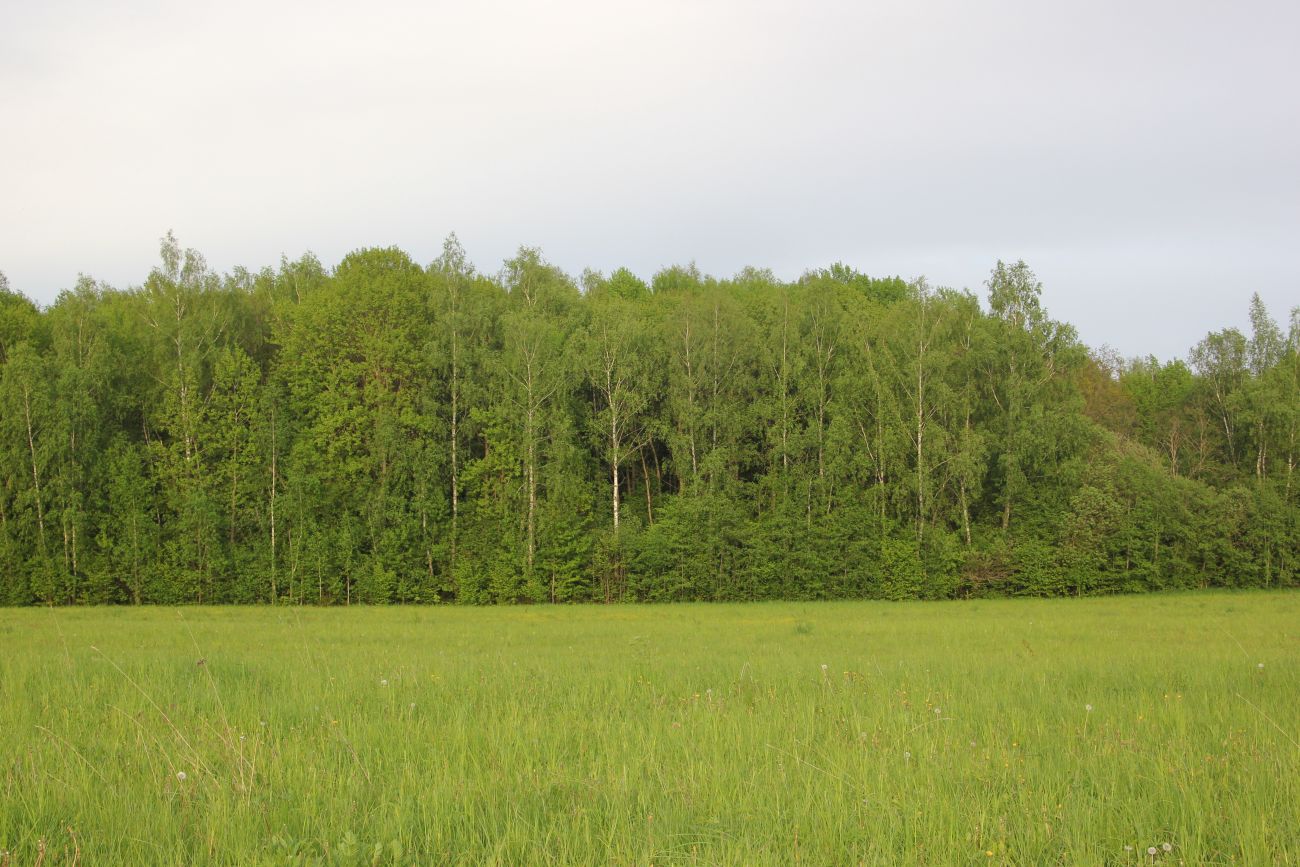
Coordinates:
(988, 732)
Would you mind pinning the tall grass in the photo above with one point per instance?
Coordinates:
(988, 732)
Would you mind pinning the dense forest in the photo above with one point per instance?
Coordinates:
(387, 432)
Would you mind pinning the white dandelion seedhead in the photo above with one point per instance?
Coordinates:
(180, 775)
(1260, 665)
(825, 668)
(1088, 708)
(906, 755)
(1167, 847)
(938, 711)
(383, 682)
(1151, 850)
(412, 705)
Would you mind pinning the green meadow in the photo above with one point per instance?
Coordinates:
(1032, 732)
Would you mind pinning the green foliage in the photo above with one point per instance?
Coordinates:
(386, 432)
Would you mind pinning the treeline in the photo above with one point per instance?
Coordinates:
(387, 432)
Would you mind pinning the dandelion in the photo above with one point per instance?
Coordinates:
(1151, 850)
(412, 705)
(906, 755)
(1128, 848)
(825, 667)
(938, 711)
(1167, 847)
(1260, 665)
(1088, 708)
(180, 775)
(383, 682)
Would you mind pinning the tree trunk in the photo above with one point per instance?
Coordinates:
(645, 476)
(36, 476)
(455, 464)
(920, 433)
(275, 590)
(614, 470)
(531, 473)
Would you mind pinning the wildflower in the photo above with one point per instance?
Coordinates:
(383, 682)
(1088, 708)
(412, 705)
(1261, 665)
(988, 853)
(1128, 848)
(180, 775)
(938, 711)
(825, 667)
(906, 755)
(1167, 847)
(1151, 850)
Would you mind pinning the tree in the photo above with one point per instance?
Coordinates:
(20, 320)
(1029, 358)
(25, 392)
(1220, 360)
(385, 432)
(534, 376)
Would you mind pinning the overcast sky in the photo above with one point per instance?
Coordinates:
(1142, 157)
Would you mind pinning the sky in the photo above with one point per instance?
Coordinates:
(1142, 156)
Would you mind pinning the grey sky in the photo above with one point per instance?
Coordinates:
(1143, 157)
